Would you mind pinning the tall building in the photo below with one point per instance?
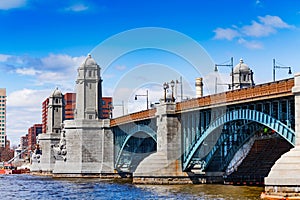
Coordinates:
(24, 145)
(107, 107)
(44, 115)
(70, 101)
(33, 132)
(2, 117)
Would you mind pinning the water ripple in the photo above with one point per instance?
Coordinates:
(23, 187)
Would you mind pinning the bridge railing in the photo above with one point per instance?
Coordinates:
(263, 91)
(145, 114)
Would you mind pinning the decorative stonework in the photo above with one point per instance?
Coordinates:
(60, 150)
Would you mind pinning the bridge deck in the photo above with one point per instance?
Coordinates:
(259, 92)
(138, 116)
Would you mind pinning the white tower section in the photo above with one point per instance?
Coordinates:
(88, 89)
(199, 87)
(243, 76)
(55, 112)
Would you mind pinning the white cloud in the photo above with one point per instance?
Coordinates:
(27, 71)
(24, 110)
(267, 25)
(10, 4)
(274, 21)
(58, 69)
(264, 27)
(61, 62)
(19, 120)
(257, 30)
(77, 8)
(27, 98)
(225, 33)
(250, 44)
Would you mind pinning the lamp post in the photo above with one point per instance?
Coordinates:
(172, 84)
(227, 65)
(143, 95)
(166, 86)
(279, 67)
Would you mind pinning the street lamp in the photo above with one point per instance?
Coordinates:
(166, 86)
(279, 67)
(143, 95)
(227, 65)
(172, 83)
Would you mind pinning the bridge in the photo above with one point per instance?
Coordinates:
(204, 128)
(195, 141)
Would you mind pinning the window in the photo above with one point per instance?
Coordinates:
(90, 73)
(90, 116)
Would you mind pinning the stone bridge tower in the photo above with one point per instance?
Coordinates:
(88, 90)
(87, 140)
(53, 131)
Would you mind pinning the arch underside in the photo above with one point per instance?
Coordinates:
(138, 144)
(247, 118)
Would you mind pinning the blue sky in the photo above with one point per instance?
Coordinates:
(43, 42)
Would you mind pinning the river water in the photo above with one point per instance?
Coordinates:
(40, 188)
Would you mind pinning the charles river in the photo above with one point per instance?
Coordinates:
(37, 187)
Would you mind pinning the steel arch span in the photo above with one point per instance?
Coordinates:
(137, 129)
(244, 136)
(242, 114)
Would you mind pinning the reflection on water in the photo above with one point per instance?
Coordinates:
(34, 187)
(210, 191)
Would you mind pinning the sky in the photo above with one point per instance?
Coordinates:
(138, 45)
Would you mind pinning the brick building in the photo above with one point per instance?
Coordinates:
(24, 145)
(44, 114)
(106, 107)
(70, 102)
(33, 132)
(2, 117)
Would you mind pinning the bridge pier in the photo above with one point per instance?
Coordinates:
(89, 150)
(47, 159)
(164, 166)
(284, 178)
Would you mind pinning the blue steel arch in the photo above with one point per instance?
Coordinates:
(138, 128)
(242, 114)
(222, 139)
